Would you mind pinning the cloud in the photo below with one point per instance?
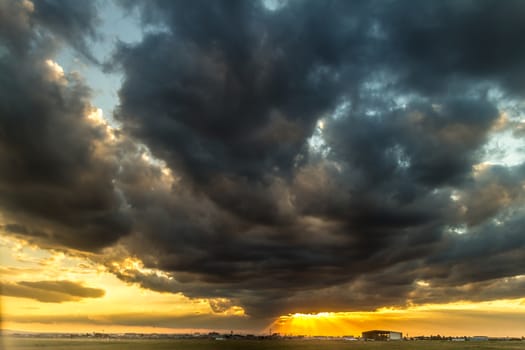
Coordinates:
(69, 21)
(478, 291)
(319, 156)
(56, 163)
(50, 291)
(230, 106)
(436, 43)
(58, 22)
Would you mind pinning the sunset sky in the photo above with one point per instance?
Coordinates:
(302, 167)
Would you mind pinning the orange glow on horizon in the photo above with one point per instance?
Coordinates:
(92, 328)
(127, 307)
(474, 318)
(323, 323)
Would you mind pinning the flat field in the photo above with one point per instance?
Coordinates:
(149, 344)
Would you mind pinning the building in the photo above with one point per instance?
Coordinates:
(380, 335)
(479, 338)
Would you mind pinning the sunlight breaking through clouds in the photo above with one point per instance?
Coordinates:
(207, 164)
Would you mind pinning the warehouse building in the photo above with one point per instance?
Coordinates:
(380, 335)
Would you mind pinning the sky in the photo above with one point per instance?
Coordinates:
(302, 167)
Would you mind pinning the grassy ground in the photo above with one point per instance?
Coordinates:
(116, 344)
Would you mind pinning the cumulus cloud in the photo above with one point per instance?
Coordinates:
(317, 156)
(55, 163)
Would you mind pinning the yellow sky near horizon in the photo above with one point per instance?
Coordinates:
(127, 307)
(28, 263)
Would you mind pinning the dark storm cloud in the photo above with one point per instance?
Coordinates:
(422, 144)
(481, 291)
(71, 21)
(324, 156)
(56, 169)
(495, 189)
(228, 99)
(56, 21)
(434, 43)
(228, 95)
(50, 291)
(51, 176)
(15, 24)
